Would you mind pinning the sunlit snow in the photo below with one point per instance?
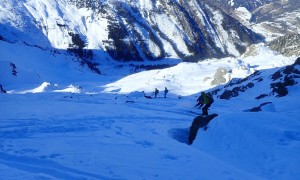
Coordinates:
(59, 120)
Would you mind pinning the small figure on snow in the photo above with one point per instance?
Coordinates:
(148, 97)
(206, 99)
(156, 92)
(166, 92)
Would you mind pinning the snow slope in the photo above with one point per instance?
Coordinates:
(78, 127)
(61, 121)
(85, 137)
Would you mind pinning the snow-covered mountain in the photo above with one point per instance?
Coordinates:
(101, 36)
(126, 30)
(278, 18)
(271, 18)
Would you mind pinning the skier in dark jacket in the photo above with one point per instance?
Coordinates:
(199, 122)
(166, 92)
(156, 91)
(204, 99)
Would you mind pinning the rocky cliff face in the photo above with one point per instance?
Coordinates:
(271, 18)
(279, 17)
(288, 45)
(140, 30)
(274, 9)
(231, 5)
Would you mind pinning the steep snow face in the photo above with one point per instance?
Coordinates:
(126, 30)
(58, 19)
(226, 38)
(17, 24)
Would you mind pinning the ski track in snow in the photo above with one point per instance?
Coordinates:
(33, 165)
(37, 142)
(42, 145)
(32, 128)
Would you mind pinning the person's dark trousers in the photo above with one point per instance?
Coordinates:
(205, 109)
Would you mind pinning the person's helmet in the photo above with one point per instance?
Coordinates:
(202, 92)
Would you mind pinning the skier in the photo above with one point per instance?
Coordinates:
(156, 92)
(199, 122)
(206, 99)
(148, 97)
(166, 92)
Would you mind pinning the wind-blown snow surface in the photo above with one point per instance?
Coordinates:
(97, 130)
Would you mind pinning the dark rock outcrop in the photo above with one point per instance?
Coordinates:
(199, 122)
(279, 80)
(284, 78)
(2, 90)
(259, 108)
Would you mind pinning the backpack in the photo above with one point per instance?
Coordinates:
(211, 98)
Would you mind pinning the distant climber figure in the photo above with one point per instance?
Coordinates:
(148, 97)
(166, 92)
(199, 122)
(156, 92)
(206, 99)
